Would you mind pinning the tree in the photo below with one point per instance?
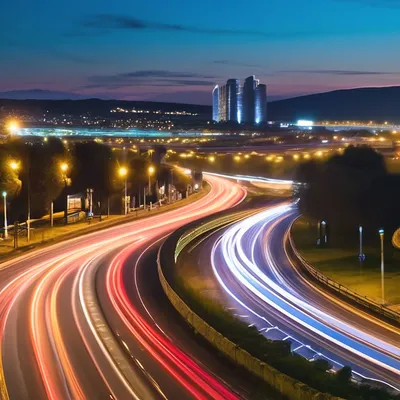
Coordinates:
(343, 376)
(93, 168)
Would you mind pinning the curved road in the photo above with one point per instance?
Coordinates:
(76, 320)
(265, 288)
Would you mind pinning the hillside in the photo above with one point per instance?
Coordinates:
(378, 104)
(93, 106)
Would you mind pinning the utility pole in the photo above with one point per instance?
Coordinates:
(5, 216)
(28, 222)
(381, 234)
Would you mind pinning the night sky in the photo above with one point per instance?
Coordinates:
(175, 50)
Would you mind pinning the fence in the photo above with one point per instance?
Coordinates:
(364, 301)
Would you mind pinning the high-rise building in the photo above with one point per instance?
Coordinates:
(216, 104)
(222, 109)
(246, 104)
(232, 93)
(248, 99)
(260, 104)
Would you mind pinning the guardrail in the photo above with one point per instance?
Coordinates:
(167, 256)
(364, 301)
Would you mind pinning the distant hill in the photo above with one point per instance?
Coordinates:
(95, 106)
(40, 94)
(378, 104)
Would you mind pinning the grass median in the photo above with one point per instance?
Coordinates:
(343, 266)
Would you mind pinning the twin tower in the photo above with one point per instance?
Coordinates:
(242, 104)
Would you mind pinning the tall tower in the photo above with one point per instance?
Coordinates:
(232, 91)
(248, 98)
(215, 110)
(260, 106)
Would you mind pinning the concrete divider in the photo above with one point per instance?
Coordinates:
(337, 287)
(287, 386)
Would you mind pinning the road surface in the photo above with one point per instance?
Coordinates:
(76, 322)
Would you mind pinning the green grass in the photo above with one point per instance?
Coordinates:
(342, 265)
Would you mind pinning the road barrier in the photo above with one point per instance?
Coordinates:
(168, 253)
(342, 290)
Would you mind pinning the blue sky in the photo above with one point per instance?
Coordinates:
(176, 50)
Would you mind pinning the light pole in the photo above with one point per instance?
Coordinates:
(324, 234)
(361, 255)
(14, 165)
(5, 216)
(381, 234)
(64, 169)
(151, 171)
(123, 172)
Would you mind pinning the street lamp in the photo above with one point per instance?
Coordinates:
(151, 172)
(5, 216)
(64, 168)
(14, 165)
(123, 172)
(361, 255)
(13, 126)
(381, 234)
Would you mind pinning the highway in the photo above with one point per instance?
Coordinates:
(265, 288)
(79, 321)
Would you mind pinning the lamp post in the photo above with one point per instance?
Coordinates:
(5, 216)
(361, 255)
(64, 168)
(151, 172)
(381, 234)
(123, 172)
(15, 165)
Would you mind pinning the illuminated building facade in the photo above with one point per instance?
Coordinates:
(234, 103)
(216, 104)
(260, 104)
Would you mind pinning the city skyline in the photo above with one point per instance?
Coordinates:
(238, 103)
(144, 52)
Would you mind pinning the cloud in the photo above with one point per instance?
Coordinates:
(339, 72)
(102, 23)
(151, 74)
(148, 78)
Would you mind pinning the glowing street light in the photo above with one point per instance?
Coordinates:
(151, 172)
(123, 172)
(64, 168)
(211, 159)
(382, 234)
(14, 165)
(5, 215)
(13, 127)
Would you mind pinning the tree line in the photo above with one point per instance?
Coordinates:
(348, 190)
(37, 168)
